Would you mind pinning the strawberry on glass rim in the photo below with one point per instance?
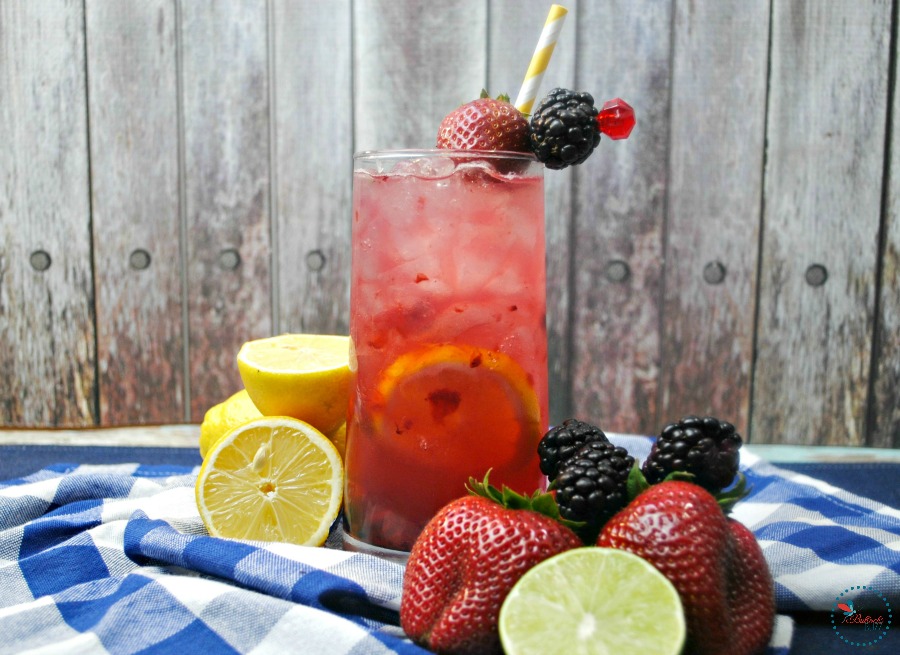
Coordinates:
(485, 124)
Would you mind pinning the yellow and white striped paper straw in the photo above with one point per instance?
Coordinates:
(540, 58)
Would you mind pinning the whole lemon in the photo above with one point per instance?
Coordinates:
(222, 418)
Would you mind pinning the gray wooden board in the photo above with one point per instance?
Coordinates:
(47, 351)
(216, 138)
(624, 49)
(720, 58)
(884, 403)
(225, 90)
(134, 137)
(312, 145)
(413, 62)
(825, 132)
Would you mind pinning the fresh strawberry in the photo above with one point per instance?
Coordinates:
(485, 124)
(467, 559)
(714, 562)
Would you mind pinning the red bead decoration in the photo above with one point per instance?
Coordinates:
(616, 119)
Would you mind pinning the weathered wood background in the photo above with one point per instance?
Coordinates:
(175, 180)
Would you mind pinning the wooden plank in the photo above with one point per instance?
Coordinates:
(47, 356)
(884, 403)
(714, 208)
(157, 436)
(226, 189)
(414, 62)
(620, 200)
(837, 455)
(312, 164)
(514, 31)
(826, 139)
(134, 123)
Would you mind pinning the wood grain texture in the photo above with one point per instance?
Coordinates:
(826, 131)
(515, 29)
(884, 403)
(134, 128)
(226, 189)
(313, 150)
(619, 214)
(720, 58)
(195, 131)
(413, 62)
(46, 316)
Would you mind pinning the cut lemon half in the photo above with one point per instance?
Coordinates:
(271, 479)
(224, 417)
(460, 402)
(592, 601)
(305, 376)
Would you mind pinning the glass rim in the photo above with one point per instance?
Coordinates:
(416, 153)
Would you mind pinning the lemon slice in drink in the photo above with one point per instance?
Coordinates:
(434, 395)
(305, 376)
(592, 601)
(224, 417)
(271, 479)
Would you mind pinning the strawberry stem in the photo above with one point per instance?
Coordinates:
(539, 501)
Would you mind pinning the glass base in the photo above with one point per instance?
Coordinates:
(357, 546)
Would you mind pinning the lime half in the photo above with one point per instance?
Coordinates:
(592, 601)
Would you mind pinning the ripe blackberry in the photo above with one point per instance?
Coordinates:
(592, 485)
(564, 128)
(706, 447)
(563, 441)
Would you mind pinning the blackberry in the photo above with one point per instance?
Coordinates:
(592, 485)
(563, 129)
(563, 441)
(705, 447)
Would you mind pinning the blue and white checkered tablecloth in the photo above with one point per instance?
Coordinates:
(115, 559)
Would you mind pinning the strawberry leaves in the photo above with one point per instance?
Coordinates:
(539, 501)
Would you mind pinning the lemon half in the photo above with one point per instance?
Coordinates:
(271, 479)
(305, 376)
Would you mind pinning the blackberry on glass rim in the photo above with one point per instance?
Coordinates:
(563, 129)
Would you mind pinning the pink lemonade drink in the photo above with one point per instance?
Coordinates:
(449, 344)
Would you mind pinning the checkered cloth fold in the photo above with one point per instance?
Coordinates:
(114, 559)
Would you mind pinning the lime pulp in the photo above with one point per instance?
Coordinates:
(593, 601)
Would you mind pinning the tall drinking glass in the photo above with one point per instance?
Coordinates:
(449, 343)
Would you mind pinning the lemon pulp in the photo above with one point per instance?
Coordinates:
(271, 479)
